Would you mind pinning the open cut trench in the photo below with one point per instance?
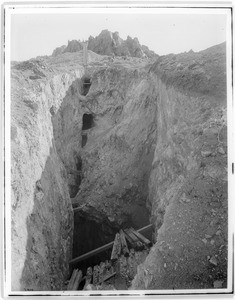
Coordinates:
(105, 197)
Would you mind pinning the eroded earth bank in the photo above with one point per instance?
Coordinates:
(135, 141)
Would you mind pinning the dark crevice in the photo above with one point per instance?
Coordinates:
(87, 121)
(84, 140)
(75, 177)
(85, 85)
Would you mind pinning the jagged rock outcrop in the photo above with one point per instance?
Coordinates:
(59, 50)
(142, 140)
(108, 43)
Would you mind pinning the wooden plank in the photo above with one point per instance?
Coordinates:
(130, 241)
(77, 280)
(102, 271)
(142, 238)
(116, 248)
(95, 275)
(71, 281)
(88, 279)
(107, 277)
(125, 249)
(104, 247)
(139, 244)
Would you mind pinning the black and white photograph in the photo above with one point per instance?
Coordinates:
(117, 149)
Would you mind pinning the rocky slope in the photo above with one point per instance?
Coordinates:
(145, 142)
(108, 43)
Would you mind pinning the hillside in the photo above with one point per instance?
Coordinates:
(131, 142)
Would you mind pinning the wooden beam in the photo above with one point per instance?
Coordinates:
(125, 249)
(71, 281)
(116, 248)
(142, 238)
(95, 275)
(107, 277)
(77, 281)
(138, 244)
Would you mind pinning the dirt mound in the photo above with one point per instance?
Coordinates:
(199, 73)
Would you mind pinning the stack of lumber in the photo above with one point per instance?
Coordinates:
(99, 273)
(124, 240)
(129, 236)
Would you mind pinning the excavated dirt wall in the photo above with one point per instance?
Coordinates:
(42, 216)
(129, 150)
(188, 194)
(110, 187)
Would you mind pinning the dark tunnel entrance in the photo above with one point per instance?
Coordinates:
(85, 87)
(87, 121)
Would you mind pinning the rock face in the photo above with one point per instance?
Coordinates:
(42, 216)
(188, 181)
(125, 144)
(108, 43)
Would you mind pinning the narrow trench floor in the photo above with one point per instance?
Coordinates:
(103, 271)
(121, 273)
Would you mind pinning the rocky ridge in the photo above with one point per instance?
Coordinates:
(156, 148)
(108, 43)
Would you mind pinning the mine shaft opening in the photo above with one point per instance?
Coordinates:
(92, 232)
(87, 121)
(85, 85)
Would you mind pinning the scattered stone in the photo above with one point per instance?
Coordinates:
(221, 150)
(213, 261)
(204, 241)
(218, 232)
(207, 236)
(206, 153)
(218, 284)
(212, 242)
(90, 287)
(164, 265)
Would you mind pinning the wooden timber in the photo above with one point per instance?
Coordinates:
(116, 248)
(138, 244)
(142, 238)
(88, 277)
(77, 281)
(95, 275)
(107, 277)
(71, 281)
(125, 249)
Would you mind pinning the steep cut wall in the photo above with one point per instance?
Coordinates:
(153, 145)
(42, 217)
(116, 158)
(188, 192)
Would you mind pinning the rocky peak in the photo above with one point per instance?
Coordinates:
(108, 43)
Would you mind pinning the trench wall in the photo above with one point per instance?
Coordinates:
(42, 217)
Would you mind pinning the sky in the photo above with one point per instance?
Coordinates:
(39, 34)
